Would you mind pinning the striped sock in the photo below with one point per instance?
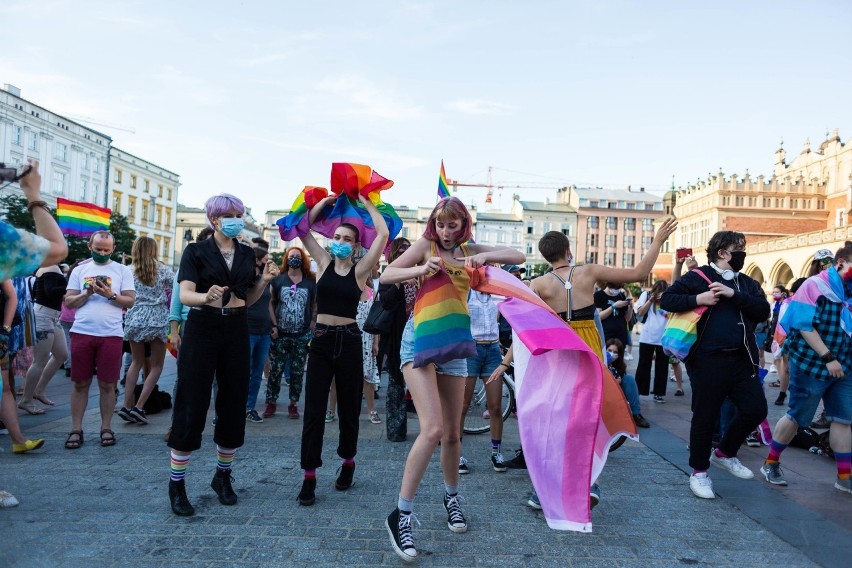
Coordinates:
(844, 464)
(495, 447)
(349, 461)
(224, 457)
(775, 449)
(177, 470)
(310, 474)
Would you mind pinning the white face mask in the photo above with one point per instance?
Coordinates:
(612, 356)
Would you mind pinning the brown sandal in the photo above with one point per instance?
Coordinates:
(107, 437)
(74, 444)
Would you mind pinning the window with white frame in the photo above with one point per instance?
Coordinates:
(60, 151)
(33, 145)
(592, 222)
(84, 161)
(839, 217)
(629, 242)
(84, 188)
(546, 227)
(133, 182)
(501, 237)
(627, 260)
(647, 224)
(630, 224)
(609, 258)
(17, 135)
(529, 248)
(516, 238)
(116, 176)
(566, 229)
(591, 258)
(97, 165)
(610, 241)
(59, 183)
(612, 222)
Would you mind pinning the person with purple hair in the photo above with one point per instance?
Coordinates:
(218, 282)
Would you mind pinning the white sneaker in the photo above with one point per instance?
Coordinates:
(701, 485)
(733, 465)
(772, 368)
(628, 357)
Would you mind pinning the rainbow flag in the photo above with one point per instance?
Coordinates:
(347, 182)
(802, 308)
(443, 189)
(564, 390)
(78, 219)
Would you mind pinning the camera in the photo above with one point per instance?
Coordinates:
(12, 173)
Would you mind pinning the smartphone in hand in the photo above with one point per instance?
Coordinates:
(683, 253)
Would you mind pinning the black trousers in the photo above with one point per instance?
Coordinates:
(335, 354)
(652, 354)
(714, 377)
(213, 345)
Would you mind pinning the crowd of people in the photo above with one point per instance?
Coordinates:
(232, 315)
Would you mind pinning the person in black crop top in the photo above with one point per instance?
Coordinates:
(50, 349)
(218, 281)
(335, 351)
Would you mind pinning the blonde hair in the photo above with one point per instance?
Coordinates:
(145, 263)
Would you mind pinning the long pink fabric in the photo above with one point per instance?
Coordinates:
(559, 384)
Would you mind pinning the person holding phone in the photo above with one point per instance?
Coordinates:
(100, 291)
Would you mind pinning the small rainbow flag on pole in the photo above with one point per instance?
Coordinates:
(81, 219)
(443, 189)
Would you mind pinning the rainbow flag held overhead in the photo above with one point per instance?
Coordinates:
(348, 181)
(443, 188)
(79, 219)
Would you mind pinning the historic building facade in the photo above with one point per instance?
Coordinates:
(72, 158)
(802, 207)
(147, 194)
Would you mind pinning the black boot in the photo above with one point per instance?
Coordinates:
(180, 502)
(344, 479)
(221, 484)
(307, 495)
(517, 462)
(782, 397)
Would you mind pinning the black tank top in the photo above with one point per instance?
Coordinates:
(338, 295)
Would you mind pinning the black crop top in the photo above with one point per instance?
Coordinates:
(203, 264)
(49, 289)
(338, 295)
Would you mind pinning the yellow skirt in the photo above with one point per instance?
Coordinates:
(588, 332)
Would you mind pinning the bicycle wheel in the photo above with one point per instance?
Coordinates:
(475, 420)
(618, 443)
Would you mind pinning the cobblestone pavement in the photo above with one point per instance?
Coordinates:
(109, 506)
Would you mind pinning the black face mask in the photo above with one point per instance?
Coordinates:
(737, 260)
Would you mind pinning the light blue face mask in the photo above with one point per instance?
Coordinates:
(339, 249)
(232, 226)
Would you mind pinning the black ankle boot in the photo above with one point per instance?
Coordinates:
(782, 397)
(307, 495)
(221, 484)
(344, 479)
(180, 502)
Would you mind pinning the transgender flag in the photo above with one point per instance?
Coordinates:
(570, 409)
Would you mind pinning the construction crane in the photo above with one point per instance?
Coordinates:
(489, 185)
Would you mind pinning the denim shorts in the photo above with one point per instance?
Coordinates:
(806, 392)
(456, 367)
(488, 357)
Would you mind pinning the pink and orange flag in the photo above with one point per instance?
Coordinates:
(570, 409)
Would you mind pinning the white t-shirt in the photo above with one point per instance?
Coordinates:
(98, 316)
(654, 326)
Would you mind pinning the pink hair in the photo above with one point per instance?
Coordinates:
(446, 209)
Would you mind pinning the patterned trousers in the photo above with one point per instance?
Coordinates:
(294, 348)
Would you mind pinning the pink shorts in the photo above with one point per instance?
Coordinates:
(89, 352)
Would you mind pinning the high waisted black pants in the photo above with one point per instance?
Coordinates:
(335, 354)
(213, 345)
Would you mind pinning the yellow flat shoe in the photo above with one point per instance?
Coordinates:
(27, 446)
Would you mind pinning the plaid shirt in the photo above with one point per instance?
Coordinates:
(827, 324)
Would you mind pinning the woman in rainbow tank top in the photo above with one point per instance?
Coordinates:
(437, 389)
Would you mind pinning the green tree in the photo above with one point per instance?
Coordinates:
(15, 208)
(538, 269)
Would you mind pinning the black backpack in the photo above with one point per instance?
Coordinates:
(157, 402)
(805, 438)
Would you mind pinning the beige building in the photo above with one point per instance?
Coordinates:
(499, 229)
(615, 227)
(539, 217)
(802, 207)
(146, 194)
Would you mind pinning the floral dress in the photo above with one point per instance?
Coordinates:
(371, 372)
(148, 319)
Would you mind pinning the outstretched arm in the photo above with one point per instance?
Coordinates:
(317, 252)
(641, 270)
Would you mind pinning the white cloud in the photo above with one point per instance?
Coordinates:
(358, 96)
(478, 106)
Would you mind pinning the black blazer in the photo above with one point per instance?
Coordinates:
(203, 264)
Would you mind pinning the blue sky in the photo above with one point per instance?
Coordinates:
(258, 98)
